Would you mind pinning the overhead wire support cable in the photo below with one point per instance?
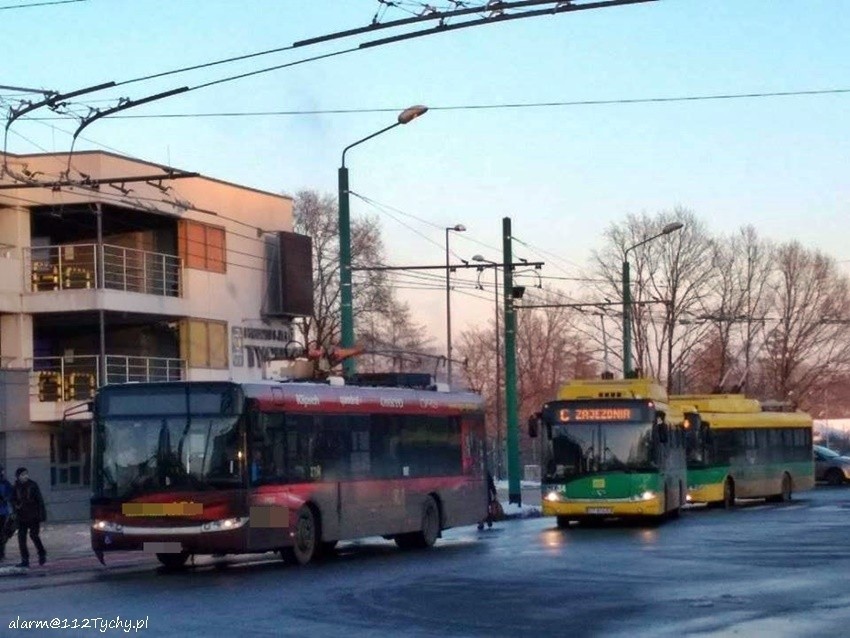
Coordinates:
(443, 15)
(442, 267)
(98, 181)
(122, 105)
(442, 28)
(51, 100)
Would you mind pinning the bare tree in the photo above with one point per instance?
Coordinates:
(759, 267)
(810, 343)
(394, 342)
(736, 297)
(374, 302)
(670, 277)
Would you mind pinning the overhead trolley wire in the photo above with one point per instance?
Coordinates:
(494, 106)
(39, 4)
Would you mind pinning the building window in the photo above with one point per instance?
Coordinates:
(70, 458)
(203, 344)
(202, 246)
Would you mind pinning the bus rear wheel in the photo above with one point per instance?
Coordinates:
(728, 494)
(430, 528)
(305, 542)
(785, 495)
(173, 561)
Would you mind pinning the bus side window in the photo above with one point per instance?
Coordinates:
(259, 454)
(385, 446)
(333, 448)
(299, 448)
(360, 443)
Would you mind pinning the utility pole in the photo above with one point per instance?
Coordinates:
(514, 490)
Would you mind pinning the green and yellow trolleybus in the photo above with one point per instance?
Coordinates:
(738, 450)
(612, 448)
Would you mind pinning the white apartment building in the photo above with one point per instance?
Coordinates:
(115, 270)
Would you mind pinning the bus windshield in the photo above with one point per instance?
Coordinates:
(588, 448)
(154, 451)
(152, 455)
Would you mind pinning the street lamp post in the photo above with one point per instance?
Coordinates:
(458, 228)
(495, 267)
(627, 297)
(346, 298)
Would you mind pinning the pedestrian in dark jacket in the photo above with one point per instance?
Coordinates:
(5, 509)
(29, 510)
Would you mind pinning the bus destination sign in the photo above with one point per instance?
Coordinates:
(579, 415)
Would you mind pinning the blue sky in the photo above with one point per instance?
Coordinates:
(563, 174)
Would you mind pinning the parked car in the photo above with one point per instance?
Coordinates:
(830, 466)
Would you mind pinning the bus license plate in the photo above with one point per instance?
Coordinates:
(599, 510)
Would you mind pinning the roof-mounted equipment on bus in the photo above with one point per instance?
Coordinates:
(416, 380)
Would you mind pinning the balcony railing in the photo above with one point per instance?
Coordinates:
(75, 267)
(76, 378)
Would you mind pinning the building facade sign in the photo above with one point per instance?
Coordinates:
(255, 346)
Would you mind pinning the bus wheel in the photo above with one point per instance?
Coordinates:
(728, 494)
(306, 541)
(563, 522)
(328, 547)
(785, 496)
(835, 476)
(430, 528)
(677, 508)
(173, 561)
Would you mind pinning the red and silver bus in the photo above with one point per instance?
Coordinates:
(227, 468)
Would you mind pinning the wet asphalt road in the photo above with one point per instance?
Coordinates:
(759, 570)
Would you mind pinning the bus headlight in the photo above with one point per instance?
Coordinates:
(107, 526)
(647, 495)
(223, 525)
(553, 497)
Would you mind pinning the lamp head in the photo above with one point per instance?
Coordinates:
(671, 227)
(458, 228)
(478, 258)
(411, 113)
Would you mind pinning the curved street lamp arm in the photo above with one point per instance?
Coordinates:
(641, 243)
(669, 228)
(368, 137)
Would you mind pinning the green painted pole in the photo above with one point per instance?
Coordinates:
(514, 490)
(349, 367)
(627, 322)
(346, 306)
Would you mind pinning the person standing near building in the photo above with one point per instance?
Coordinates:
(29, 509)
(5, 509)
